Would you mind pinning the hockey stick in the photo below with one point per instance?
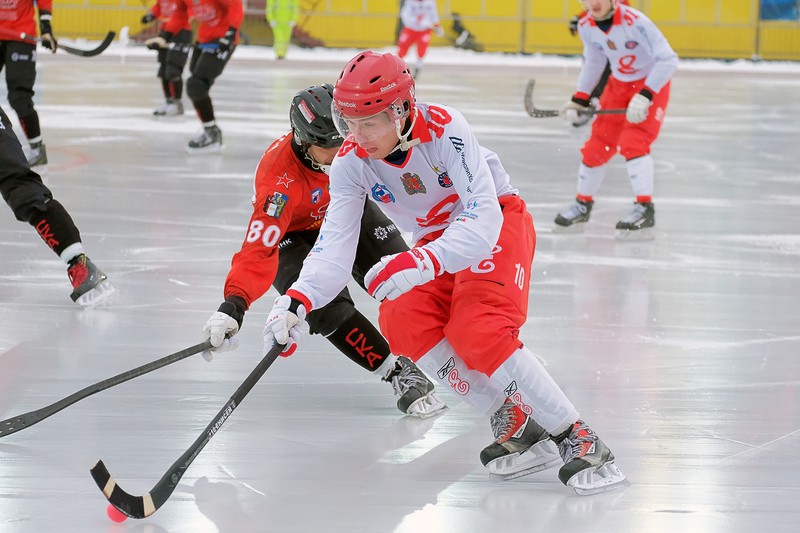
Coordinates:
(20, 422)
(144, 506)
(75, 51)
(545, 113)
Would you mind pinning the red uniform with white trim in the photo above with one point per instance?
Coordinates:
(214, 17)
(19, 17)
(453, 195)
(174, 15)
(419, 17)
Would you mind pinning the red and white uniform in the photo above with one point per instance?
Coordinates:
(18, 16)
(174, 15)
(448, 193)
(214, 17)
(418, 17)
(288, 197)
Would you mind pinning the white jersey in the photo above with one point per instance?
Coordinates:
(419, 15)
(447, 183)
(634, 47)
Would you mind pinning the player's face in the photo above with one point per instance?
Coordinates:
(598, 9)
(382, 146)
(323, 156)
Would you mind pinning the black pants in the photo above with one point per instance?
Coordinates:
(22, 188)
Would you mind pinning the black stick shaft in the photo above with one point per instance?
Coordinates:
(144, 506)
(25, 420)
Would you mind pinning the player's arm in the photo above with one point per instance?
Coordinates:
(666, 60)
(594, 63)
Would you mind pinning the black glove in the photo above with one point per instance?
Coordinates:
(573, 25)
(147, 19)
(227, 40)
(46, 31)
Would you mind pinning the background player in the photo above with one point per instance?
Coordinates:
(419, 18)
(19, 59)
(642, 64)
(32, 202)
(291, 196)
(454, 303)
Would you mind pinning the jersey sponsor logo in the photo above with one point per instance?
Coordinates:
(317, 245)
(626, 64)
(449, 372)
(444, 180)
(47, 235)
(284, 180)
(275, 204)
(467, 212)
(413, 184)
(630, 45)
(381, 194)
(458, 144)
(611, 44)
(316, 194)
(358, 340)
(382, 233)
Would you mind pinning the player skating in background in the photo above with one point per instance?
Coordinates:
(419, 18)
(289, 202)
(454, 303)
(594, 96)
(19, 59)
(32, 202)
(642, 64)
(173, 44)
(282, 16)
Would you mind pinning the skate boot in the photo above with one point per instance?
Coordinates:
(522, 446)
(38, 155)
(90, 285)
(209, 141)
(417, 396)
(172, 108)
(588, 463)
(573, 217)
(639, 222)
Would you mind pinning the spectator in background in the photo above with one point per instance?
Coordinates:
(282, 16)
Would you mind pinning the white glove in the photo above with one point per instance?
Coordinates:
(154, 43)
(397, 274)
(638, 108)
(220, 330)
(283, 326)
(572, 111)
(438, 30)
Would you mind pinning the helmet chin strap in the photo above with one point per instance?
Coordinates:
(316, 166)
(405, 143)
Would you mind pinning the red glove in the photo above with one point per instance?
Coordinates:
(399, 273)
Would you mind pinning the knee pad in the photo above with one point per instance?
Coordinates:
(26, 198)
(327, 319)
(197, 89)
(21, 102)
(597, 152)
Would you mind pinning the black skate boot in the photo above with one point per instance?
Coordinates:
(209, 141)
(38, 155)
(172, 108)
(417, 396)
(574, 216)
(639, 222)
(521, 447)
(90, 285)
(588, 463)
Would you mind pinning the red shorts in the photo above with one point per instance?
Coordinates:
(479, 309)
(410, 37)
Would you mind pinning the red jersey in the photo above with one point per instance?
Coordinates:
(288, 197)
(214, 17)
(17, 16)
(174, 15)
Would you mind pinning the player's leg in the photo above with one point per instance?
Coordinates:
(171, 72)
(206, 65)
(20, 60)
(423, 40)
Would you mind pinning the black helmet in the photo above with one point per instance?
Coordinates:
(310, 116)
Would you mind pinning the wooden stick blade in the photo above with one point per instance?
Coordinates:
(132, 506)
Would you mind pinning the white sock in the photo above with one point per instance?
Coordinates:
(640, 172)
(589, 179)
(385, 365)
(71, 252)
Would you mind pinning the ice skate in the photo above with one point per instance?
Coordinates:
(90, 285)
(38, 155)
(209, 141)
(588, 463)
(573, 217)
(638, 224)
(522, 446)
(172, 108)
(417, 396)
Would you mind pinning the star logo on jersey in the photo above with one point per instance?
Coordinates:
(284, 180)
(412, 184)
(275, 204)
(381, 194)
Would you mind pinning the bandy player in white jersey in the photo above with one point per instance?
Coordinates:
(419, 18)
(642, 64)
(455, 302)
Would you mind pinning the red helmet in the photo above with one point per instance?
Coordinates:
(371, 82)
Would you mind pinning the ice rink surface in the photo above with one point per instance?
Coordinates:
(682, 352)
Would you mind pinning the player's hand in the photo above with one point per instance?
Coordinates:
(227, 40)
(220, 330)
(438, 30)
(638, 109)
(158, 42)
(148, 18)
(573, 25)
(574, 108)
(283, 325)
(397, 274)
(46, 31)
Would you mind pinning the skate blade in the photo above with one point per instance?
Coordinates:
(594, 481)
(646, 234)
(540, 456)
(216, 149)
(99, 296)
(426, 407)
(577, 227)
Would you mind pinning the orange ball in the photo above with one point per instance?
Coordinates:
(115, 514)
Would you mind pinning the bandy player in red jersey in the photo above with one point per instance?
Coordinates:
(291, 196)
(19, 59)
(642, 64)
(454, 303)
